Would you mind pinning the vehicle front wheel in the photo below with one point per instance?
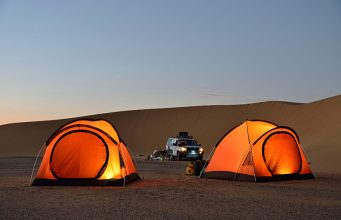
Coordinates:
(178, 157)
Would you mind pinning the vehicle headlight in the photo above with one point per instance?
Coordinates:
(183, 149)
(201, 150)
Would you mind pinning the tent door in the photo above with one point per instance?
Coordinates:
(281, 154)
(79, 155)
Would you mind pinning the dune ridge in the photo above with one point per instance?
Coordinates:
(318, 125)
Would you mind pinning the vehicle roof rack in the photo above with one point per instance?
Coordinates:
(184, 134)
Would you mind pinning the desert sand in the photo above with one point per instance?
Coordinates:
(166, 192)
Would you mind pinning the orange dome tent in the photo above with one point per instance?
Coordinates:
(86, 152)
(258, 151)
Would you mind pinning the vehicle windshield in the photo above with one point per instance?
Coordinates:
(188, 142)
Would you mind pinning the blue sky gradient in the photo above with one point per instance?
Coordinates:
(70, 58)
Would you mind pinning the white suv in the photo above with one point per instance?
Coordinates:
(184, 147)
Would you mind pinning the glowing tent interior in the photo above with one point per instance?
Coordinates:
(86, 152)
(258, 151)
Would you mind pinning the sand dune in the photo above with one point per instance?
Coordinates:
(318, 125)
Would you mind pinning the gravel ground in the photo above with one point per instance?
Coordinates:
(167, 193)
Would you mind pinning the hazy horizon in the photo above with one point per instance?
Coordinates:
(62, 59)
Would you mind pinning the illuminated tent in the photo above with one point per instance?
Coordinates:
(258, 151)
(86, 152)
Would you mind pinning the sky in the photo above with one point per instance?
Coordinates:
(70, 58)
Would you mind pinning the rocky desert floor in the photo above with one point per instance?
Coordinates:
(167, 193)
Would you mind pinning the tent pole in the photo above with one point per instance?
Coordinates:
(133, 157)
(125, 166)
(253, 164)
(209, 156)
(35, 162)
(307, 159)
(249, 151)
(235, 176)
